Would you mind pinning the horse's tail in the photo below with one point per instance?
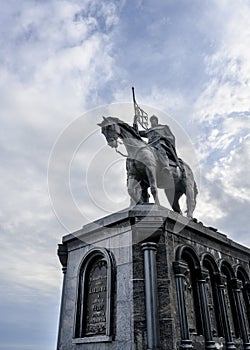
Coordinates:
(191, 190)
(195, 189)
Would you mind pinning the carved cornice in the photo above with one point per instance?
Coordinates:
(62, 253)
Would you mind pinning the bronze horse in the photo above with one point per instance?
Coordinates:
(144, 168)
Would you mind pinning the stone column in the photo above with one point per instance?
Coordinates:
(209, 342)
(179, 269)
(153, 333)
(236, 288)
(229, 344)
(247, 299)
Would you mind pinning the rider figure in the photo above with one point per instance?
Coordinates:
(161, 137)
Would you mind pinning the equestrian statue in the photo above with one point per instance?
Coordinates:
(153, 164)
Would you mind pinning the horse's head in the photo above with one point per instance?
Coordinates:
(110, 130)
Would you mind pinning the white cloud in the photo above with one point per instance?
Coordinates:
(231, 171)
(54, 57)
(208, 208)
(43, 86)
(227, 90)
(223, 120)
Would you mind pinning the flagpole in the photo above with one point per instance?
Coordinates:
(135, 126)
(141, 117)
(133, 92)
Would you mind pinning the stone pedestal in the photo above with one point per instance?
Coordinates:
(147, 278)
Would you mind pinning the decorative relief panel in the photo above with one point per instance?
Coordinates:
(229, 308)
(211, 307)
(189, 299)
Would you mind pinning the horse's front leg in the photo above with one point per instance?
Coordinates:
(134, 190)
(151, 174)
(144, 192)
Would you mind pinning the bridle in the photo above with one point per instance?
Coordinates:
(117, 151)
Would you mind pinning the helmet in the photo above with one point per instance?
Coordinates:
(153, 117)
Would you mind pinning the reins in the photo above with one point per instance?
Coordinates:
(117, 151)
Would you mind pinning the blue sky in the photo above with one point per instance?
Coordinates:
(61, 64)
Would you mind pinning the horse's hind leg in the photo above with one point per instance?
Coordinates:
(176, 205)
(151, 174)
(173, 199)
(134, 190)
(190, 204)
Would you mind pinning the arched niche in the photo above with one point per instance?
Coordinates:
(209, 264)
(188, 255)
(228, 272)
(243, 277)
(93, 317)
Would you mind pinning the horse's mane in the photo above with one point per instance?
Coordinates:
(125, 126)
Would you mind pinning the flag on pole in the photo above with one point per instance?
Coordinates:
(141, 116)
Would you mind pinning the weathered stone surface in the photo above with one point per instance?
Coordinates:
(120, 234)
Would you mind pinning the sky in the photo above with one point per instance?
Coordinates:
(64, 64)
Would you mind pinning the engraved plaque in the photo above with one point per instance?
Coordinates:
(96, 300)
